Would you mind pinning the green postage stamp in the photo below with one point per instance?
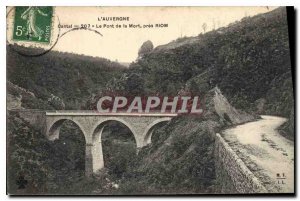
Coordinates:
(33, 23)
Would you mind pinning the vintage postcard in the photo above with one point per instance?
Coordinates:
(150, 100)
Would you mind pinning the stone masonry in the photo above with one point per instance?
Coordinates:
(92, 124)
(231, 173)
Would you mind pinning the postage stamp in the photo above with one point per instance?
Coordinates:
(33, 23)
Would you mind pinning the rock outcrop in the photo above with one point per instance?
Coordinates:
(217, 106)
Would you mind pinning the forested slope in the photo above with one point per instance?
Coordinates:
(69, 78)
(248, 60)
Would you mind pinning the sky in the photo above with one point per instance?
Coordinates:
(122, 44)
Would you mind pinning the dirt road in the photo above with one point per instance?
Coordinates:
(265, 152)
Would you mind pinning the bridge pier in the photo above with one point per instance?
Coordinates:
(93, 158)
(88, 160)
(98, 162)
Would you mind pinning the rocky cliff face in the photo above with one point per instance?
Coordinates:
(15, 95)
(218, 108)
(21, 98)
(13, 102)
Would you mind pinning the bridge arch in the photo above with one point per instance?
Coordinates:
(99, 126)
(151, 127)
(80, 138)
(54, 128)
(97, 151)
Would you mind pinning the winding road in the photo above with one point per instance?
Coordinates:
(265, 152)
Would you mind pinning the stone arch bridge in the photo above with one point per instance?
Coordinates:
(92, 124)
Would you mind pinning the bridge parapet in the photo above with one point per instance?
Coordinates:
(95, 113)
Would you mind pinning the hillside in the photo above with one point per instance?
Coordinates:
(248, 60)
(66, 78)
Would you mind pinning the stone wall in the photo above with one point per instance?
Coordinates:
(232, 175)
